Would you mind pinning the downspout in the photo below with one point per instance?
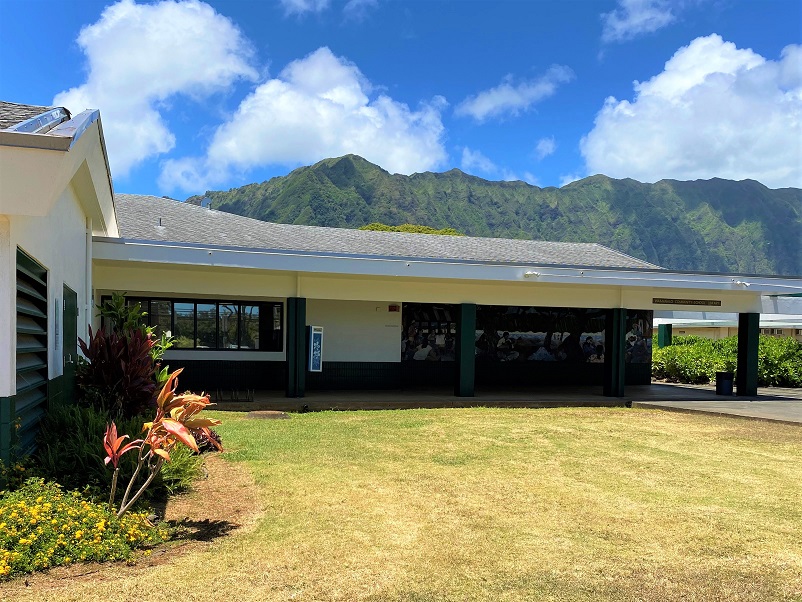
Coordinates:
(90, 295)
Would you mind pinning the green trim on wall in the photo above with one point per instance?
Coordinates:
(748, 340)
(614, 355)
(296, 347)
(6, 428)
(664, 335)
(464, 385)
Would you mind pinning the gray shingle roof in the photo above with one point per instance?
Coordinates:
(12, 113)
(139, 217)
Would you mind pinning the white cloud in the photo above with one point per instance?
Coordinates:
(568, 178)
(358, 9)
(474, 161)
(319, 106)
(299, 7)
(509, 98)
(139, 56)
(714, 111)
(633, 18)
(545, 147)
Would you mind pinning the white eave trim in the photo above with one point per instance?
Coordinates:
(168, 253)
(60, 138)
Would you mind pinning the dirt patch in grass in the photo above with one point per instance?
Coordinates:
(268, 415)
(223, 502)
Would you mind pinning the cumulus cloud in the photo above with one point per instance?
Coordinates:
(319, 106)
(633, 18)
(474, 161)
(299, 7)
(714, 111)
(509, 98)
(545, 147)
(139, 56)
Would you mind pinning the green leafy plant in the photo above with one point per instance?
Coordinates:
(68, 453)
(696, 360)
(42, 526)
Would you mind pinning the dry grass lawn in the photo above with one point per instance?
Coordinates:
(481, 504)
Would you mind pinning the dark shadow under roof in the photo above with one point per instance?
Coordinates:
(142, 217)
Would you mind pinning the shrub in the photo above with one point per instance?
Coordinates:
(70, 452)
(779, 362)
(120, 376)
(209, 442)
(124, 368)
(42, 526)
(696, 360)
(411, 229)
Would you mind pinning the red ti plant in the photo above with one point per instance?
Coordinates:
(176, 421)
(114, 451)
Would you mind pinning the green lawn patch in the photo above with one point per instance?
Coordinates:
(497, 504)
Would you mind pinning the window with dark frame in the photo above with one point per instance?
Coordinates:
(215, 325)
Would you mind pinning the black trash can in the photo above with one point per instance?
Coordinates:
(724, 382)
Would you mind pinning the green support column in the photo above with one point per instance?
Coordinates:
(296, 347)
(466, 354)
(614, 366)
(664, 335)
(748, 335)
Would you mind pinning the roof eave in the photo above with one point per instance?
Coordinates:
(123, 250)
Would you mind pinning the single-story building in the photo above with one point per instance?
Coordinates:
(240, 296)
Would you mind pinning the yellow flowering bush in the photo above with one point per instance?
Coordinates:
(42, 526)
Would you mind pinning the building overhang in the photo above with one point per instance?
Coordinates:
(657, 288)
(35, 168)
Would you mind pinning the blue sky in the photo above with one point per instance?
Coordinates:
(198, 96)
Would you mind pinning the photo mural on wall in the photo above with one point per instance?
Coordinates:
(638, 346)
(522, 334)
(540, 334)
(429, 332)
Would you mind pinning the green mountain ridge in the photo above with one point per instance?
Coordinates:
(705, 225)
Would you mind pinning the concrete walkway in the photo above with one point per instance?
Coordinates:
(777, 404)
(772, 403)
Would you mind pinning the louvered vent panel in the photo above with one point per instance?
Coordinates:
(30, 400)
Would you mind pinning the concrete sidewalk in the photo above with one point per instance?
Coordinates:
(771, 403)
(788, 411)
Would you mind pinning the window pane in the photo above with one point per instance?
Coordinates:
(228, 326)
(249, 315)
(161, 314)
(206, 337)
(276, 342)
(184, 325)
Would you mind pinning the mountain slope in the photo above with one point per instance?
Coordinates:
(709, 225)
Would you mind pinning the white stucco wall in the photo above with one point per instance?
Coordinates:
(58, 242)
(357, 331)
(7, 309)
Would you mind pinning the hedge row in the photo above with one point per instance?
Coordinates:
(696, 360)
